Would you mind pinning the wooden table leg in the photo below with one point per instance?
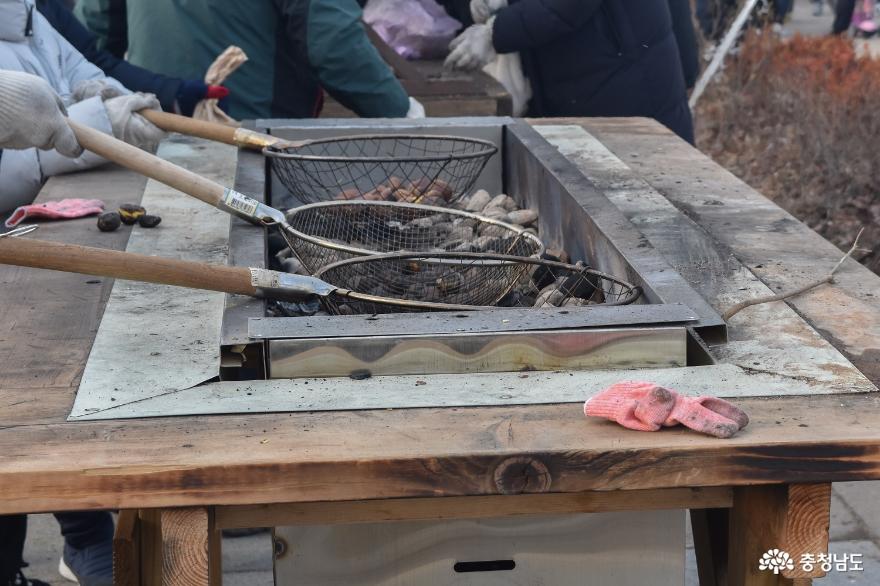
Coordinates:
(127, 549)
(791, 518)
(176, 547)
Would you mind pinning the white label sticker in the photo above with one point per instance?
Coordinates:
(240, 202)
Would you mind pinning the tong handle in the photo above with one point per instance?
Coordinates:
(233, 135)
(148, 164)
(72, 258)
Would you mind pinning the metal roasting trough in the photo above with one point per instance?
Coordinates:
(667, 325)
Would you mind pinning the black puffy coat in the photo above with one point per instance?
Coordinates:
(598, 58)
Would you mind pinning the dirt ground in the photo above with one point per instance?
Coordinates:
(797, 117)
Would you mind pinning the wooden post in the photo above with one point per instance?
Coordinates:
(190, 545)
(790, 518)
(127, 550)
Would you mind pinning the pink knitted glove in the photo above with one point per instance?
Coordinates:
(56, 210)
(645, 406)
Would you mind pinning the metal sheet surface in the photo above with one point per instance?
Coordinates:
(457, 390)
(156, 339)
(429, 354)
(597, 549)
(492, 320)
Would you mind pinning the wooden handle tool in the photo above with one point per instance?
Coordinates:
(72, 258)
(236, 136)
(179, 178)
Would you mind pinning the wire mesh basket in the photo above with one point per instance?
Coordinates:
(477, 280)
(396, 167)
(324, 233)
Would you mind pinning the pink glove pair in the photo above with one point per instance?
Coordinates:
(645, 406)
(56, 210)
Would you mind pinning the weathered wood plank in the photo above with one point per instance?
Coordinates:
(757, 522)
(305, 457)
(772, 244)
(423, 509)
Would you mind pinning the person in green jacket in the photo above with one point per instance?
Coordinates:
(295, 49)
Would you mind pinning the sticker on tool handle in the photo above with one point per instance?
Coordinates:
(264, 279)
(240, 202)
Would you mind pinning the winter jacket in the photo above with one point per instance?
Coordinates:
(295, 48)
(28, 43)
(131, 76)
(598, 58)
(686, 38)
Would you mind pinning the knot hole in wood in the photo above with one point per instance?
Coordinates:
(521, 474)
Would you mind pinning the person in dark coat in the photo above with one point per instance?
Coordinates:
(174, 94)
(588, 57)
(686, 38)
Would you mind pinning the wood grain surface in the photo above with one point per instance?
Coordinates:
(48, 321)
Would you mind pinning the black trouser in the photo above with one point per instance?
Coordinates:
(843, 16)
(13, 529)
(80, 530)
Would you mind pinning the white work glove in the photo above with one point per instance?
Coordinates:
(416, 110)
(483, 10)
(32, 115)
(89, 88)
(130, 126)
(472, 49)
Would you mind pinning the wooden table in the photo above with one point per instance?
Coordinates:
(180, 480)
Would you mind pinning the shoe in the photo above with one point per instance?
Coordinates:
(90, 566)
(20, 580)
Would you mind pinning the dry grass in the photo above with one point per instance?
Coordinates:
(799, 120)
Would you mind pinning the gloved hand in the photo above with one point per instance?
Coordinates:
(473, 48)
(130, 126)
(482, 10)
(193, 91)
(416, 110)
(56, 210)
(644, 406)
(32, 115)
(89, 88)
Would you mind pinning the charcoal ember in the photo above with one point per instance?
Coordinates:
(441, 228)
(423, 222)
(449, 284)
(478, 201)
(461, 233)
(293, 265)
(550, 296)
(468, 222)
(495, 213)
(580, 286)
(522, 217)
(494, 231)
(485, 244)
(503, 201)
(309, 306)
(556, 254)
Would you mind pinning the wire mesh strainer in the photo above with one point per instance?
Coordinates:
(477, 280)
(324, 233)
(429, 168)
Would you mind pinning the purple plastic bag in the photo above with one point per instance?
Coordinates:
(416, 29)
